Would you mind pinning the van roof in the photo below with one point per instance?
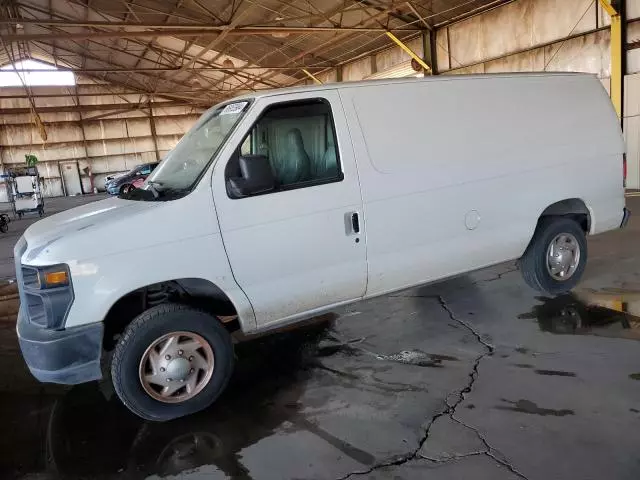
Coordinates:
(386, 81)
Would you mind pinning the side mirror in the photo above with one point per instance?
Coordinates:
(256, 177)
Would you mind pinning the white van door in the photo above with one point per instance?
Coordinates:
(300, 247)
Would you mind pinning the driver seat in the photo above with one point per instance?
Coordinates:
(296, 164)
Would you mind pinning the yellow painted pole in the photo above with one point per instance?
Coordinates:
(312, 76)
(608, 8)
(411, 53)
(616, 56)
(616, 63)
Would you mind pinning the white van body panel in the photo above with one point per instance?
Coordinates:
(291, 251)
(448, 174)
(115, 246)
(456, 172)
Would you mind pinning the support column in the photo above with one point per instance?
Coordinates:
(84, 144)
(429, 51)
(154, 135)
(622, 9)
(615, 10)
(2, 169)
(62, 185)
(433, 44)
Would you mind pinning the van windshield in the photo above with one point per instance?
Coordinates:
(182, 167)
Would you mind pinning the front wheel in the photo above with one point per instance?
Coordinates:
(4, 227)
(556, 257)
(171, 361)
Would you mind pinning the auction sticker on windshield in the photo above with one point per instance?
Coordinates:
(233, 108)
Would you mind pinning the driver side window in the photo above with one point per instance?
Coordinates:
(299, 141)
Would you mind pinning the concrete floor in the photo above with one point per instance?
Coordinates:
(477, 378)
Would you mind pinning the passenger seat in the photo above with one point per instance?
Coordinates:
(328, 166)
(296, 163)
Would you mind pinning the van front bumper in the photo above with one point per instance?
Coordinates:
(69, 356)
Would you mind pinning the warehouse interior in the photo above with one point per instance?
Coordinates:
(474, 378)
(144, 71)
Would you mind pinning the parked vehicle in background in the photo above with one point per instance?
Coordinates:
(137, 183)
(284, 204)
(125, 183)
(113, 177)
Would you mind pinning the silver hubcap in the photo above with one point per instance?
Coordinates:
(176, 367)
(563, 256)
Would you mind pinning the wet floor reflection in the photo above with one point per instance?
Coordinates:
(607, 313)
(530, 408)
(88, 433)
(9, 301)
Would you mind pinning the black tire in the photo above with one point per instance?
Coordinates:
(533, 263)
(4, 227)
(145, 329)
(125, 189)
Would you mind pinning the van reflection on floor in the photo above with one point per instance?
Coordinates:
(606, 313)
(91, 434)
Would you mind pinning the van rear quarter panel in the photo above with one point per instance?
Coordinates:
(434, 157)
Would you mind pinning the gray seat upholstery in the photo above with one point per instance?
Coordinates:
(328, 167)
(296, 165)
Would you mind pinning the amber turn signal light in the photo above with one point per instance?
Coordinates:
(56, 279)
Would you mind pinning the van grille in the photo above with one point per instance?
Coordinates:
(35, 310)
(46, 308)
(29, 276)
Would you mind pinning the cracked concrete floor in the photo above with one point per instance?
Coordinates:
(477, 377)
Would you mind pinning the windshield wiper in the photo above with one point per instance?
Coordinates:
(152, 187)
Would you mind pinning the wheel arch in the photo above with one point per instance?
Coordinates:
(195, 292)
(574, 208)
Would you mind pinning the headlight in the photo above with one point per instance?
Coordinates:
(48, 294)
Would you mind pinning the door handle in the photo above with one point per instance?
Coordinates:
(355, 222)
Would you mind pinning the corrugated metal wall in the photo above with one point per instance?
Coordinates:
(632, 128)
(84, 138)
(521, 26)
(524, 35)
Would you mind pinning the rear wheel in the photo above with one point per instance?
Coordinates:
(171, 361)
(556, 257)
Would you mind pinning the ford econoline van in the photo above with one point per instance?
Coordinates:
(283, 204)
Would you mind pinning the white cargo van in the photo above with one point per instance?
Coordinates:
(283, 204)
